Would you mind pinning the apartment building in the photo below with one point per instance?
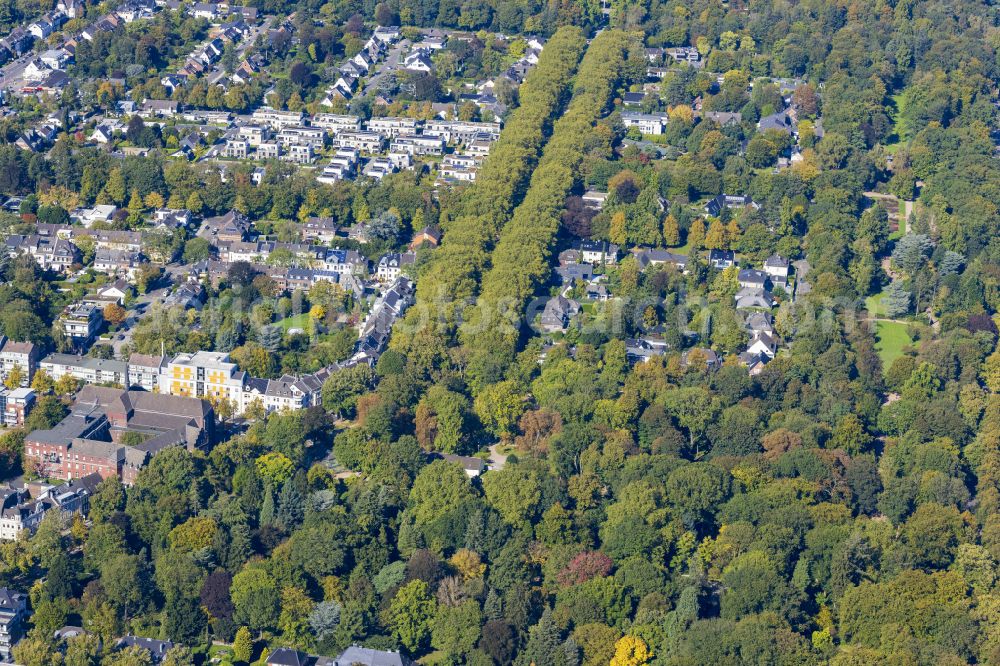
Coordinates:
(88, 370)
(365, 142)
(417, 144)
(13, 611)
(144, 371)
(276, 118)
(204, 373)
(80, 322)
(334, 122)
(15, 404)
(391, 127)
(21, 355)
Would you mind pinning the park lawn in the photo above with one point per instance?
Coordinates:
(891, 337)
(296, 321)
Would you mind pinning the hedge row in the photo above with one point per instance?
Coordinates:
(453, 272)
(521, 259)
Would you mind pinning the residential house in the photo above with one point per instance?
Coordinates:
(640, 350)
(319, 230)
(391, 265)
(277, 118)
(570, 274)
(753, 297)
(557, 314)
(700, 357)
(721, 259)
(362, 656)
(723, 201)
(157, 649)
(633, 99)
(780, 121)
(763, 343)
(594, 200)
(760, 322)
(118, 263)
(233, 226)
(418, 61)
(98, 213)
(753, 279)
(158, 108)
(428, 235)
(646, 123)
(598, 252)
(653, 257)
(777, 267)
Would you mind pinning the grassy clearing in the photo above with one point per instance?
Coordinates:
(891, 337)
(296, 321)
(874, 305)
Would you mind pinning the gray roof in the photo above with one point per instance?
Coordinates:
(369, 657)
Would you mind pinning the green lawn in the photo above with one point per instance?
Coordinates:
(891, 337)
(296, 321)
(874, 305)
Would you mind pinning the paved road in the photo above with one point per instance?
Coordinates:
(390, 64)
(144, 303)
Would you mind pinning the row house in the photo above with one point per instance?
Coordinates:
(55, 254)
(13, 613)
(19, 512)
(113, 239)
(392, 264)
(319, 230)
(388, 307)
(349, 262)
(118, 263)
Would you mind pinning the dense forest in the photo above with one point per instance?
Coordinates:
(842, 506)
